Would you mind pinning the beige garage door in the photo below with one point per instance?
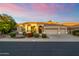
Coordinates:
(55, 31)
(51, 30)
(63, 32)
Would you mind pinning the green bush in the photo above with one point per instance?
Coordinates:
(36, 35)
(24, 33)
(44, 36)
(75, 32)
(12, 34)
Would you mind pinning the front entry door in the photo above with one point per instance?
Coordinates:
(40, 29)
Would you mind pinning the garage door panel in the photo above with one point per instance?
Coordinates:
(51, 31)
(63, 31)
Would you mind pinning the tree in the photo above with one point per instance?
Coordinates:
(7, 23)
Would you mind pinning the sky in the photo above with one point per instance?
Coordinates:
(41, 12)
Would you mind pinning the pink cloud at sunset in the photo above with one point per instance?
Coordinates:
(41, 11)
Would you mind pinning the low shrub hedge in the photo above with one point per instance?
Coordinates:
(44, 36)
(24, 33)
(36, 35)
(12, 34)
(75, 32)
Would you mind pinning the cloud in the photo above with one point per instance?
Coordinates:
(37, 11)
(13, 10)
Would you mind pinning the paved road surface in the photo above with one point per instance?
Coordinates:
(56, 45)
(39, 48)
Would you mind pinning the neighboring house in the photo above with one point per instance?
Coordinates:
(43, 27)
(71, 26)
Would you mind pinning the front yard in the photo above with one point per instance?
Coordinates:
(52, 38)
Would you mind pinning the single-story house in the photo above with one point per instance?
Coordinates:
(42, 27)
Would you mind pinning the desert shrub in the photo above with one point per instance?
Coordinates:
(44, 36)
(12, 34)
(24, 33)
(36, 35)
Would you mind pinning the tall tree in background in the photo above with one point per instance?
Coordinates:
(7, 23)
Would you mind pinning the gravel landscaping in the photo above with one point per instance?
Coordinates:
(51, 38)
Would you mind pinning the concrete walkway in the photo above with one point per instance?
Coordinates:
(52, 38)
